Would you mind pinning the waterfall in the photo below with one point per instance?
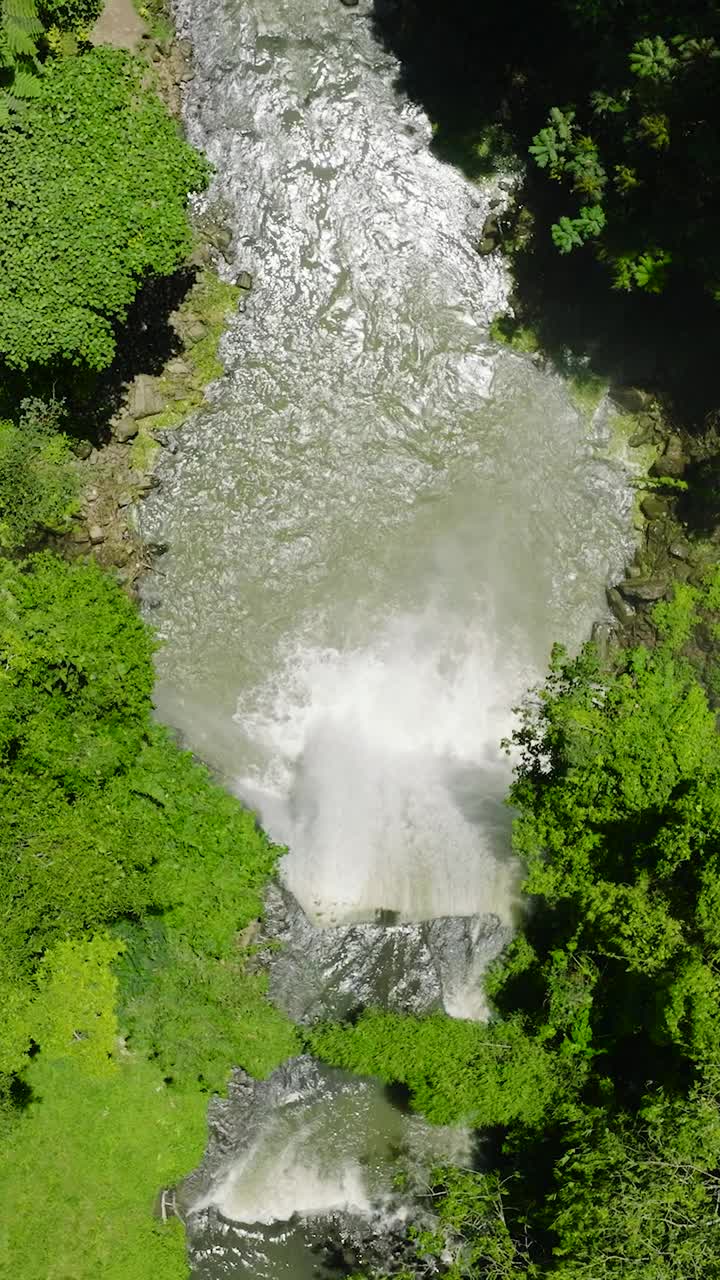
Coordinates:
(381, 520)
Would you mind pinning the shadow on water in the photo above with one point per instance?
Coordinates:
(487, 75)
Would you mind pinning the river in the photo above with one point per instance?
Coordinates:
(382, 519)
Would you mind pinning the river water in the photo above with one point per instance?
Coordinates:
(382, 519)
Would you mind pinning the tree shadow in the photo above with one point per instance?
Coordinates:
(487, 76)
(145, 341)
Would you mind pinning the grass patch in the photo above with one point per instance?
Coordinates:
(81, 1167)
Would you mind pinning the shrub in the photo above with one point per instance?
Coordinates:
(38, 485)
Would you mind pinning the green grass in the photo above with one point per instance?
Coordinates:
(80, 1170)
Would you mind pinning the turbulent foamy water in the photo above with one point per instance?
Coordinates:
(382, 520)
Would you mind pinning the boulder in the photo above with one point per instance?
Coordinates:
(643, 589)
(195, 331)
(487, 245)
(179, 367)
(245, 280)
(125, 429)
(680, 549)
(96, 534)
(630, 399)
(654, 507)
(672, 462)
(622, 610)
(144, 398)
(82, 449)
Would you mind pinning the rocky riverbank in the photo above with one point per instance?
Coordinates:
(119, 471)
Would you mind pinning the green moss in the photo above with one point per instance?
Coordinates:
(511, 333)
(586, 390)
(212, 301)
(143, 451)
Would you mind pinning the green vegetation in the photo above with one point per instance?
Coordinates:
(38, 483)
(96, 179)
(127, 877)
(639, 152)
(20, 28)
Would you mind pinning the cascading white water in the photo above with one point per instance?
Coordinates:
(382, 520)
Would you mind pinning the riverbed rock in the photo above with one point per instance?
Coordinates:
(245, 281)
(604, 637)
(418, 968)
(679, 549)
(144, 399)
(654, 507)
(643, 589)
(350, 4)
(620, 607)
(672, 462)
(178, 367)
(96, 534)
(487, 245)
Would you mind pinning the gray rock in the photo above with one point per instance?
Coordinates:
(245, 280)
(178, 367)
(83, 449)
(125, 429)
(622, 610)
(645, 435)
(604, 637)
(196, 331)
(672, 462)
(680, 549)
(221, 237)
(96, 534)
(487, 245)
(644, 589)
(321, 973)
(144, 399)
(630, 399)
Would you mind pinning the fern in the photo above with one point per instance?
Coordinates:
(570, 233)
(20, 27)
(651, 59)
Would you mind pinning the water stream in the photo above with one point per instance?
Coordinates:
(382, 519)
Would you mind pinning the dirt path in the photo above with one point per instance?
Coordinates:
(119, 24)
